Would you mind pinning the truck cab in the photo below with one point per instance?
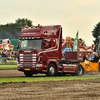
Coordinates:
(39, 46)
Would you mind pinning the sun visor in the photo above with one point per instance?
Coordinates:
(30, 32)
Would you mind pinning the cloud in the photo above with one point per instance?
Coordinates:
(83, 2)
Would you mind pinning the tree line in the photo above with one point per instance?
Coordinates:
(12, 30)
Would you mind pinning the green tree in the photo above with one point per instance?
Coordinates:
(22, 22)
(96, 33)
(12, 30)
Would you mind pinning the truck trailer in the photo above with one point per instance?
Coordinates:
(40, 51)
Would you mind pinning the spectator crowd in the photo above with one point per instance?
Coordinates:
(8, 54)
(93, 57)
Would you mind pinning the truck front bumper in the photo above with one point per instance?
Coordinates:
(37, 67)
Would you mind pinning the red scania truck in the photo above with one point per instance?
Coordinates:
(40, 51)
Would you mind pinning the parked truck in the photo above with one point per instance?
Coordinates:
(40, 51)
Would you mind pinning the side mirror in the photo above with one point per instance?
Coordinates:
(46, 45)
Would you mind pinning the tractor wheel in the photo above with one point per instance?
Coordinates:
(28, 74)
(80, 70)
(52, 70)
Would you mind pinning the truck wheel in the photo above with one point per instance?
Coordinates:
(80, 70)
(52, 70)
(28, 74)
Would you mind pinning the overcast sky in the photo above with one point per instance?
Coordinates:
(72, 15)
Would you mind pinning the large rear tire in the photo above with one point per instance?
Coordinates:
(80, 70)
(52, 70)
(28, 74)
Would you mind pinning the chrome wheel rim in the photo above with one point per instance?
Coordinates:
(80, 71)
(52, 70)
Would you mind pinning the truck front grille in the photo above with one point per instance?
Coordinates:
(28, 64)
(28, 60)
(27, 54)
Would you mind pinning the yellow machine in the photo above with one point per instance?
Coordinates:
(90, 67)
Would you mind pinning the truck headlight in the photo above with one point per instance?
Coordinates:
(38, 65)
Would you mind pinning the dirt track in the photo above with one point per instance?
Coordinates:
(14, 73)
(51, 90)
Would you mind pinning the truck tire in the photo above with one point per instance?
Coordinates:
(52, 70)
(80, 70)
(28, 74)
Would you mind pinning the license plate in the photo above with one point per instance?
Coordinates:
(27, 69)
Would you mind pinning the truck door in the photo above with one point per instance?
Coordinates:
(49, 49)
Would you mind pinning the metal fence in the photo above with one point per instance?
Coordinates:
(4, 60)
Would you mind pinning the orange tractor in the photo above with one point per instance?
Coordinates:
(90, 67)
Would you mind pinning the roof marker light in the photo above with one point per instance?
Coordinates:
(26, 26)
(39, 25)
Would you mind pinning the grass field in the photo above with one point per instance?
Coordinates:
(3, 66)
(30, 79)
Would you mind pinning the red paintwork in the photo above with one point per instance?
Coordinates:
(49, 55)
(70, 68)
(74, 56)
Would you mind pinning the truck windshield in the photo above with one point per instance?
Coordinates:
(30, 44)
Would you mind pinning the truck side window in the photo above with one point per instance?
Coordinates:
(47, 43)
(50, 43)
